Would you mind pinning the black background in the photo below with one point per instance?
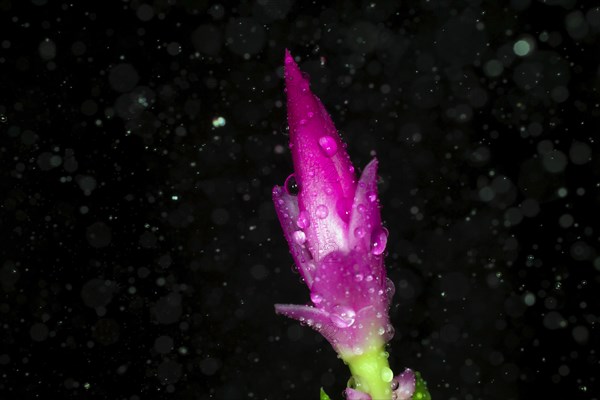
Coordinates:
(140, 255)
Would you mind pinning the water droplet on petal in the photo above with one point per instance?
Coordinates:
(316, 298)
(343, 206)
(291, 186)
(343, 316)
(328, 145)
(390, 289)
(360, 232)
(322, 211)
(372, 197)
(358, 277)
(310, 114)
(299, 237)
(361, 208)
(378, 241)
(387, 374)
(302, 121)
(381, 331)
(303, 221)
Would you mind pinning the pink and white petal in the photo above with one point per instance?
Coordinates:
(286, 207)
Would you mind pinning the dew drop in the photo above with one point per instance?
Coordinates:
(372, 197)
(299, 237)
(361, 208)
(357, 351)
(316, 298)
(291, 186)
(360, 232)
(343, 316)
(381, 331)
(343, 207)
(394, 385)
(387, 374)
(358, 277)
(310, 114)
(390, 289)
(379, 241)
(303, 221)
(322, 211)
(328, 145)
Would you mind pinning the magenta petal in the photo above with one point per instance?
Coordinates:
(365, 219)
(286, 207)
(406, 385)
(322, 167)
(353, 394)
(317, 319)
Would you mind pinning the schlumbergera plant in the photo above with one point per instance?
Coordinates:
(332, 223)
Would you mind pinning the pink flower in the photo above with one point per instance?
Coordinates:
(333, 226)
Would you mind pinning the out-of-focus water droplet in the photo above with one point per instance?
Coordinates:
(291, 186)
(378, 241)
(381, 331)
(322, 211)
(361, 208)
(328, 145)
(303, 221)
(310, 114)
(387, 374)
(343, 316)
(316, 298)
(218, 122)
(302, 121)
(299, 237)
(360, 232)
(358, 277)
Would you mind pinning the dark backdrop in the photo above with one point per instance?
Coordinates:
(139, 141)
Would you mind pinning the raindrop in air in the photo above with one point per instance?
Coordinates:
(322, 211)
(328, 145)
(343, 316)
(291, 186)
(378, 241)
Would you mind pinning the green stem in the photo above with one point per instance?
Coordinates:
(371, 372)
